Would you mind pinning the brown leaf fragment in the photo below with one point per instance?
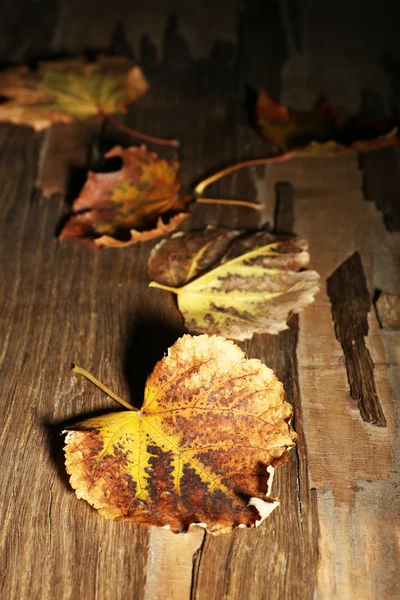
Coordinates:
(202, 449)
(290, 252)
(65, 90)
(388, 309)
(254, 285)
(176, 260)
(125, 206)
(319, 132)
(160, 230)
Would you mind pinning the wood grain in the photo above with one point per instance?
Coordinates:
(335, 533)
(170, 565)
(352, 464)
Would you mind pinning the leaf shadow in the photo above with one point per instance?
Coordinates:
(147, 342)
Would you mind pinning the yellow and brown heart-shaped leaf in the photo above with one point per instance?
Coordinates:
(202, 449)
(255, 284)
(64, 90)
(128, 203)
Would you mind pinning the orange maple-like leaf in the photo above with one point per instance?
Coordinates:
(319, 131)
(125, 206)
(202, 449)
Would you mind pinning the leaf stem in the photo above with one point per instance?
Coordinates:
(139, 135)
(103, 387)
(252, 205)
(167, 288)
(201, 186)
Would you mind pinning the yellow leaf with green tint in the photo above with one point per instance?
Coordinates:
(247, 294)
(60, 91)
(202, 449)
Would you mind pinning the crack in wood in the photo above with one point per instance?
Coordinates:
(283, 215)
(196, 562)
(350, 300)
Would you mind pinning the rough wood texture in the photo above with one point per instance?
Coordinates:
(171, 554)
(335, 533)
(388, 310)
(349, 296)
(352, 465)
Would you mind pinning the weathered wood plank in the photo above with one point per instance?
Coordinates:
(63, 303)
(170, 563)
(55, 311)
(73, 304)
(351, 463)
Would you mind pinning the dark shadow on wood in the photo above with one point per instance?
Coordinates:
(262, 44)
(250, 105)
(284, 213)
(381, 183)
(148, 342)
(119, 44)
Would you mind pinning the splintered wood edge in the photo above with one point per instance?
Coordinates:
(350, 304)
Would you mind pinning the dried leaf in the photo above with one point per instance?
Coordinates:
(290, 128)
(198, 451)
(118, 203)
(61, 91)
(183, 256)
(255, 289)
(319, 132)
(160, 230)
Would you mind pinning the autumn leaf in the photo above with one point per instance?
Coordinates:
(180, 258)
(61, 91)
(254, 288)
(319, 131)
(202, 449)
(118, 204)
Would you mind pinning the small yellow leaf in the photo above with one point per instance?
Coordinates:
(201, 450)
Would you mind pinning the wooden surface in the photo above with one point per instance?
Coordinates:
(335, 534)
